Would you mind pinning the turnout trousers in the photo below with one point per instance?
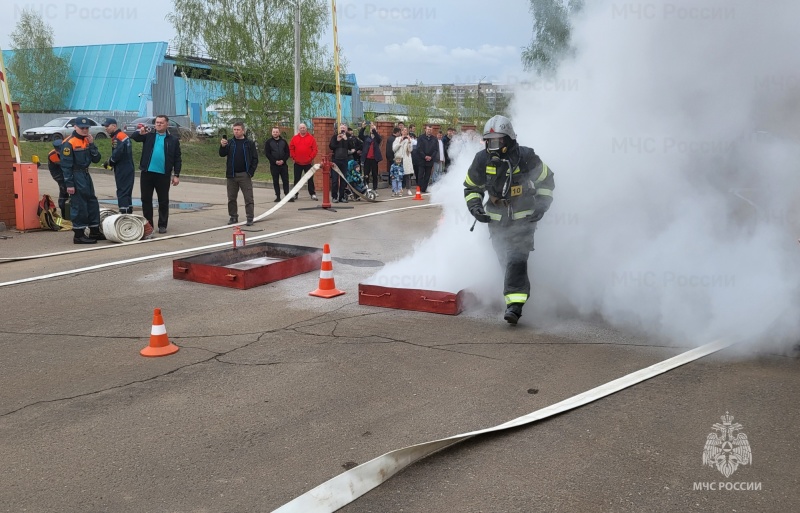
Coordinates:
(513, 244)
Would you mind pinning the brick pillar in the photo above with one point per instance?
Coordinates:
(323, 131)
(8, 211)
(385, 130)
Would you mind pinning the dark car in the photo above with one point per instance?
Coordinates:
(150, 123)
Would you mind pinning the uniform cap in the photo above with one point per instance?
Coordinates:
(82, 123)
(110, 121)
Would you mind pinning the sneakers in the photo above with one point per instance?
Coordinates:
(162, 229)
(249, 221)
(291, 200)
(233, 220)
(314, 197)
(513, 313)
(297, 196)
(410, 193)
(277, 199)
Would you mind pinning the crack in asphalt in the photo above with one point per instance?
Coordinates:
(217, 355)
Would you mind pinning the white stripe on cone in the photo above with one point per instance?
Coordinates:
(326, 275)
(326, 257)
(158, 330)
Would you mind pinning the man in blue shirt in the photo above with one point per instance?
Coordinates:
(160, 166)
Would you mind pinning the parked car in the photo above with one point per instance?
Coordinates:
(150, 123)
(210, 130)
(60, 128)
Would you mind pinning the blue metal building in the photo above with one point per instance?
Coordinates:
(141, 79)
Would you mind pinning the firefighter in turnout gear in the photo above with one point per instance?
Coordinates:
(54, 166)
(78, 151)
(519, 189)
(121, 161)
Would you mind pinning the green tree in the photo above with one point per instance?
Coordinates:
(250, 47)
(38, 78)
(552, 30)
(419, 102)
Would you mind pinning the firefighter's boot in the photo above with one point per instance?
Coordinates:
(513, 313)
(81, 238)
(94, 233)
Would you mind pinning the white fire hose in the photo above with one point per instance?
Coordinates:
(352, 484)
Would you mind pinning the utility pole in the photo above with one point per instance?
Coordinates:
(297, 66)
(336, 67)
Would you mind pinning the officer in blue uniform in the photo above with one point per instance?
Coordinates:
(78, 152)
(122, 162)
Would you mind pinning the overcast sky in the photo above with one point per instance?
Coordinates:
(463, 41)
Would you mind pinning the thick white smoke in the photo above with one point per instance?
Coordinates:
(670, 135)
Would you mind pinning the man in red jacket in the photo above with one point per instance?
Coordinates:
(303, 150)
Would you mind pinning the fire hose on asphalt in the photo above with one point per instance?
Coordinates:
(352, 484)
(296, 189)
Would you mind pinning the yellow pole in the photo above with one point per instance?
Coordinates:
(336, 66)
(8, 114)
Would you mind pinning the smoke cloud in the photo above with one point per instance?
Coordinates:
(673, 137)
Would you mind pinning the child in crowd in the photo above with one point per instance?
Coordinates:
(396, 176)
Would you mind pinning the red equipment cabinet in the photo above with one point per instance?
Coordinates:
(26, 195)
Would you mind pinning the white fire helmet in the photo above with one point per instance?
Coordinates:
(498, 134)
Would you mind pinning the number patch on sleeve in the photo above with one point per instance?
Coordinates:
(516, 190)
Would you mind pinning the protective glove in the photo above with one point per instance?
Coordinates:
(480, 214)
(537, 215)
(106, 164)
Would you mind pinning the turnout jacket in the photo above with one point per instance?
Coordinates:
(121, 152)
(76, 155)
(530, 186)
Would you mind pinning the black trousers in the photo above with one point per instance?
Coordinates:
(338, 185)
(371, 168)
(280, 173)
(424, 176)
(160, 183)
(299, 170)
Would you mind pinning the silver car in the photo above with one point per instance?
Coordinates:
(60, 128)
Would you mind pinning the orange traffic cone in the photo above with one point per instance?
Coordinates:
(327, 288)
(159, 342)
(418, 195)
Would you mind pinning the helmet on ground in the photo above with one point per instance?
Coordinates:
(499, 135)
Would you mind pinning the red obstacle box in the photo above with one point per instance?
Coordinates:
(419, 300)
(248, 266)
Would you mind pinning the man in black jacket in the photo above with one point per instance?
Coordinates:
(428, 151)
(276, 149)
(371, 152)
(341, 146)
(240, 166)
(160, 166)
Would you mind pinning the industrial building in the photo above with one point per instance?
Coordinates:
(130, 80)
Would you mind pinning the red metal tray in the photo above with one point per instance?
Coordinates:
(419, 300)
(240, 268)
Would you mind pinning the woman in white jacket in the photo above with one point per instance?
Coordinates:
(403, 146)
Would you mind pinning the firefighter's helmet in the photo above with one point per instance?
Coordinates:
(499, 135)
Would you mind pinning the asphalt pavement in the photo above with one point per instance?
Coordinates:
(274, 392)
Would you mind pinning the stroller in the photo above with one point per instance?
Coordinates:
(356, 181)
